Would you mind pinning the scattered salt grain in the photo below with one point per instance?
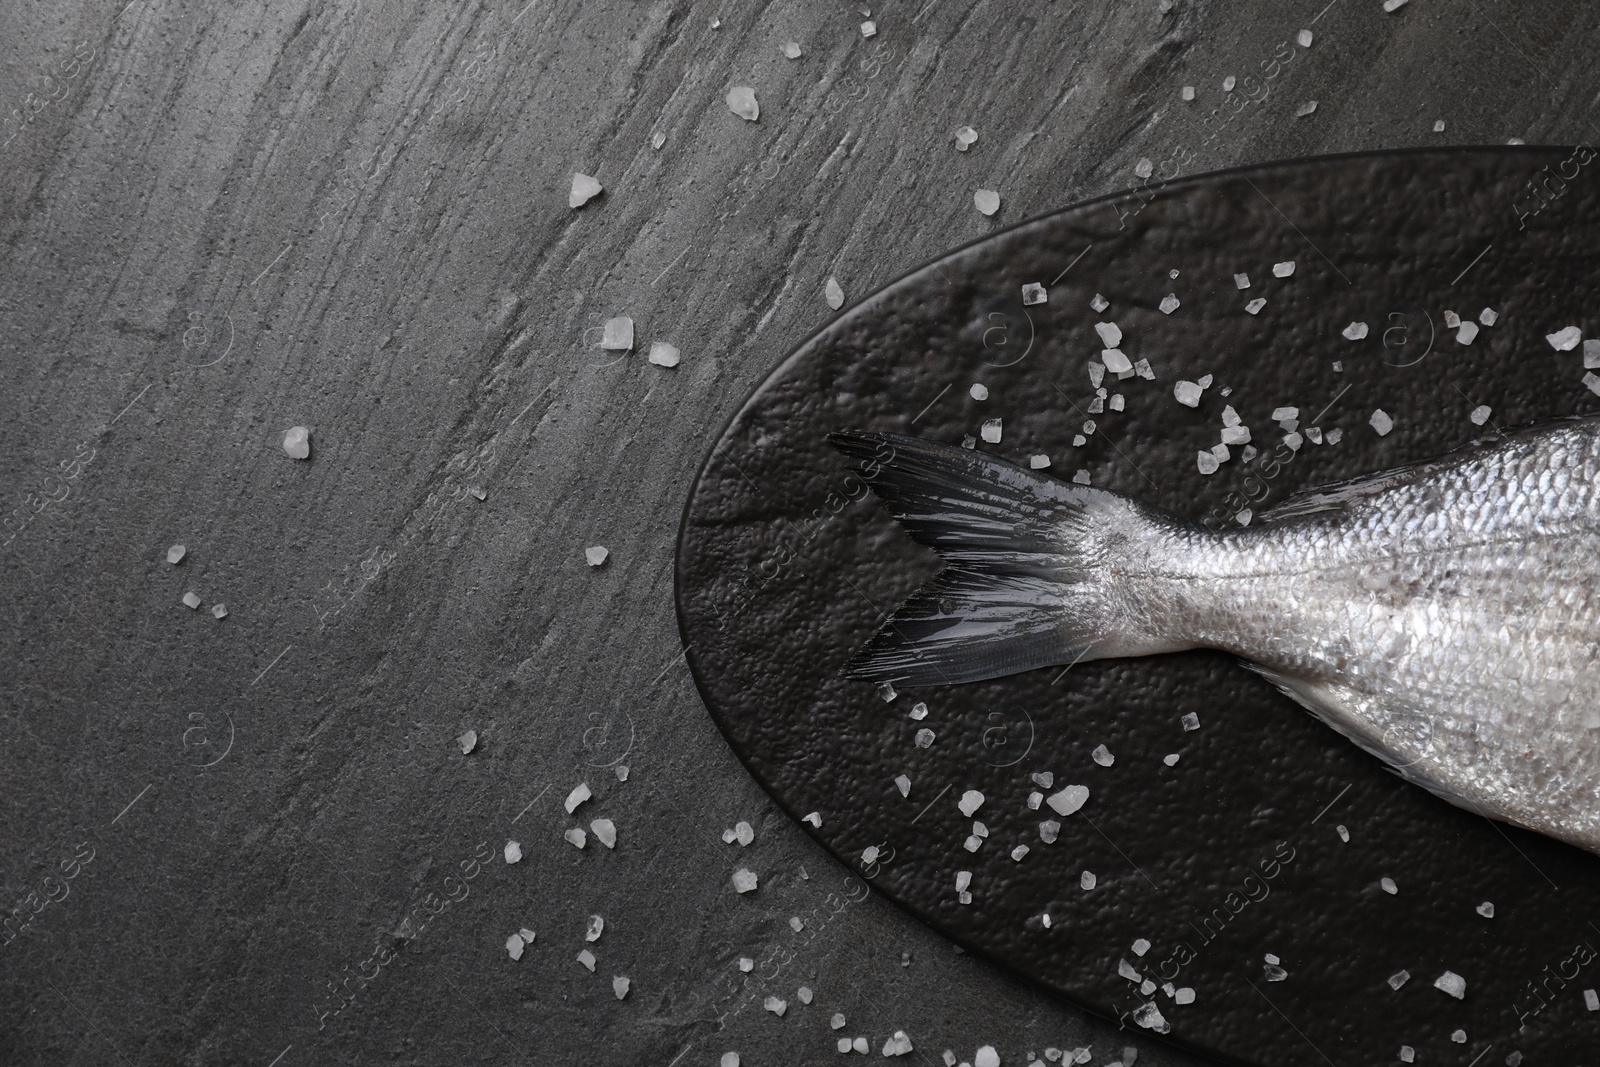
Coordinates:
(837, 1022)
(1169, 304)
(744, 881)
(584, 189)
(919, 710)
(1399, 978)
(791, 49)
(1565, 340)
(1170, 759)
(1273, 973)
(987, 201)
(860, 1045)
(1451, 319)
(986, 1057)
(191, 600)
(746, 964)
(1590, 1000)
(966, 137)
(991, 431)
(1228, 83)
(468, 741)
(513, 852)
(924, 737)
(619, 986)
(869, 28)
(1187, 93)
(1034, 293)
(1334, 435)
(1044, 779)
(579, 794)
(657, 140)
(1116, 362)
(1486, 909)
(587, 959)
(1381, 422)
(175, 554)
(1488, 316)
(1355, 331)
(597, 926)
(1304, 38)
(1459, 1037)
(1049, 830)
(1438, 126)
(869, 855)
(776, 1005)
(1407, 1054)
(220, 611)
(1102, 755)
(1191, 722)
(1081, 477)
(886, 692)
(730, 1059)
(1255, 306)
(902, 783)
(743, 833)
(663, 354)
(577, 837)
(1284, 414)
(1099, 303)
(1592, 382)
(1039, 462)
(1591, 355)
(795, 924)
(815, 819)
(1284, 269)
(1241, 281)
(1452, 983)
(1068, 800)
(804, 993)
(833, 294)
(970, 802)
(297, 442)
(1143, 168)
(1388, 885)
(605, 831)
(1187, 393)
(1110, 334)
(898, 1045)
(1393, 5)
(1305, 109)
(596, 554)
(617, 335)
(514, 946)
(1206, 462)
(1467, 333)
(1344, 833)
(1019, 852)
(1293, 441)
(742, 102)
(1183, 995)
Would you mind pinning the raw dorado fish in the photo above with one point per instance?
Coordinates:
(1443, 616)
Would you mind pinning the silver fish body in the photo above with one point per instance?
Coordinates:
(1445, 616)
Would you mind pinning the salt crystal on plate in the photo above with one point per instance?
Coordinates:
(220, 611)
(987, 201)
(986, 1057)
(657, 140)
(1590, 1000)
(1170, 759)
(1284, 269)
(1183, 995)
(1078, 440)
(963, 880)
(1110, 334)
(1116, 362)
(1451, 319)
(191, 600)
(596, 554)
(1488, 316)
(1142, 368)
(1281, 414)
(1187, 393)
(175, 554)
(1086, 880)
(746, 964)
(1143, 168)
(619, 986)
(903, 783)
(296, 444)
(1565, 340)
(1393, 5)
(898, 1045)
(886, 692)
(924, 737)
(577, 837)
(795, 924)
(605, 831)
(1592, 382)
(1355, 331)
(587, 959)
(970, 802)
(1081, 477)
(869, 855)
(919, 710)
(514, 946)
(979, 391)
(1243, 518)
(663, 355)
(579, 794)
(1381, 422)
(1388, 885)
(1038, 462)
(1407, 1054)
(991, 431)
(1293, 441)
(1117, 402)
(978, 829)
(1046, 779)
(1191, 722)
(1241, 281)
(1049, 830)
(1255, 306)
(617, 335)
(791, 49)
(597, 926)
(1344, 834)
(1486, 909)
(584, 189)
(1305, 109)
(1304, 38)
(1187, 93)
(1169, 304)
(1019, 852)
(468, 741)
(966, 137)
(730, 1059)
(859, 1044)
(869, 28)
(776, 1005)
(1273, 973)
(1452, 983)
(513, 852)
(527, 935)
(804, 994)
(837, 1022)
(1034, 293)
(742, 102)
(1467, 333)
(815, 819)
(1068, 800)
(744, 881)
(833, 294)
(1228, 83)
(1334, 435)
(1206, 462)
(1099, 303)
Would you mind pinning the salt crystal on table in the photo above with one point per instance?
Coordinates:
(742, 102)
(727, 837)
(1143, 168)
(991, 431)
(815, 819)
(468, 741)
(1255, 306)
(1034, 293)
(844, 1044)
(605, 831)
(587, 959)
(1019, 852)
(859, 1044)
(1241, 281)
(1467, 333)
(1407, 1054)
(1592, 382)
(1284, 269)
(1086, 880)
(1388, 885)
(1183, 995)
(744, 881)
(1270, 958)
(776, 1006)
(1035, 798)
(175, 554)
(1334, 435)
(837, 1022)
(987, 201)
(919, 710)
(1284, 414)
(1038, 462)
(1228, 83)
(617, 335)
(1046, 779)
(966, 137)
(743, 832)
(1451, 319)
(1207, 462)
(1099, 303)
(220, 611)
(657, 140)
(833, 294)
(1049, 830)
(1110, 334)
(979, 391)
(1293, 441)
(1304, 38)
(597, 926)
(1244, 517)
(886, 692)
(730, 1059)
(986, 1057)
(514, 946)
(1116, 362)
(619, 986)
(1274, 973)
(795, 924)
(1068, 800)
(869, 28)
(1170, 759)
(1381, 422)
(191, 600)
(297, 442)
(1393, 5)
(1344, 833)
(1097, 373)
(1102, 755)
(579, 794)
(970, 802)
(584, 189)
(1452, 983)
(792, 49)
(513, 852)
(898, 1045)
(663, 355)
(1191, 722)
(924, 737)
(596, 554)
(1488, 316)
(804, 993)
(1081, 477)
(1187, 92)
(1486, 909)
(1355, 331)
(869, 855)
(746, 964)
(1187, 393)
(1078, 440)
(1169, 304)
(978, 829)
(1590, 1000)
(1117, 402)
(1142, 368)
(1591, 355)
(577, 837)
(1565, 340)
(1305, 109)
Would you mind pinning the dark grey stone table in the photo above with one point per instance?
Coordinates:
(255, 839)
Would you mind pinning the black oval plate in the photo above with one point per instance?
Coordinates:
(786, 565)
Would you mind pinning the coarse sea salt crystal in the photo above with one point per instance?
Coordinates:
(979, 391)
(1068, 800)
(587, 959)
(663, 355)
(1284, 269)
(617, 334)
(577, 837)
(742, 102)
(924, 737)
(1591, 1000)
(1241, 281)
(1236, 435)
(1592, 382)
(596, 554)
(744, 881)
(1117, 402)
(729, 1059)
(1451, 983)
(1451, 319)
(1393, 5)
(1206, 461)
(1355, 331)
(833, 294)
(605, 831)
(1110, 334)
(1116, 362)
(1170, 759)
(1228, 83)
(919, 710)
(1344, 833)
(1187, 92)
(1221, 452)
(513, 852)
(869, 28)
(987, 201)
(1591, 354)
(515, 945)
(1049, 830)
(1486, 909)
(1034, 293)
(1304, 38)
(1334, 435)
(1467, 333)
(1305, 109)
(191, 600)
(584, 189)
(1187, 393)
(776, 1005)
(970, 802)
(175, 554)
(1142, 368)
(837, 1022)
(986, 1057)
(1044, 779)
(1099, 303)
(743, 833)
(1281, 414)
(220, 611)
(795, 924)
(814, 818)
(579, 794)
(1169, 304)
(1388, 885)
(468, 741)
(886, 692)
(1019, 852)
(804, 993)
(746, 964)
(1407, 1054)
(657, 140)
(1183, 995)
(297, 442)
(1381, 422)
(619, 986)
(1566, 339)
(991, 431)
(966, 137)
(1488, 316)
(1190, 722)
(791, 49)
(597, 926)
(902, 783)
(1255, 306)
(1038, 462)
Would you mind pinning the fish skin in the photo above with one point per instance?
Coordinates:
(1445, 616)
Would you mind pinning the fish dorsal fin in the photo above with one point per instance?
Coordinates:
(1341, 496)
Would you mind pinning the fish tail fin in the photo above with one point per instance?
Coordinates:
(1025, 584)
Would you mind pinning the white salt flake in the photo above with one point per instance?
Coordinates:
(902, 783)
(1451, 319)
(579, 794)
(970, 802)
(1488, 316)
(513, 852)
(1438, 125)
(743, 833)
(220, 611)
(619, 986)
(1228, 83)
(1039, 462)
(577, 837)
(1590, 1000)
(1393, 5)
(1187, 93)
(297, 442)
(1144, 168)
(1593, 382)
(1019, 852)
(729, 1059)
(584, 189)
(795, 924)
(833, 294)
(1381, 422)
(1388, 885)
(1355, 331)
(1206, 461)
(597, 926)
(1170, 759)
(1407, 1054)
(924, 737)
(791, 49)
(986, 1057)
(1102, 755)
(663, 354)
(1285, 414)
(605, 831)
(595, 555)
(191, 600)
(1304, 38)
(1183, 995)
(1480, 414)
(869, 28)
(1486, 909)
(1452, 983)
(987, 201)
(837, 1022)
(869, 855)
(1191, 722)
(1049, 830)
(966, 137)
(175, 554)
(468, 741)
(1241, 281)
(1344, 833)
(804, 993)
(1255, 306)
(587, 959)
(617, 334)
(1187, 393)
(1034, 293)
(776, 1005)
(1591, 355)
(886, 692)
(1305, 109)
(1169, 304)
(1116, 362)
(1335, 435)
(1099, 303)
(898, 1045)
(744, 881)
(746, 964)
(1565, 340)
(1081, 477)
(657, 140)
(979, 391)
(919, 710)
(1284, 269)
(1110, 334)
(815, 819)
(1068, 800)
(1467, 333)
(514, 946)
(742, 102)
(1293, 441)
(991, 431)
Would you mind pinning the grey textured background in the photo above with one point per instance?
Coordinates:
(224, 220)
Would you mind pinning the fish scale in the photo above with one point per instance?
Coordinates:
(1443, 616)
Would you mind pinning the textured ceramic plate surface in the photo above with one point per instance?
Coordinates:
(1261, 833)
